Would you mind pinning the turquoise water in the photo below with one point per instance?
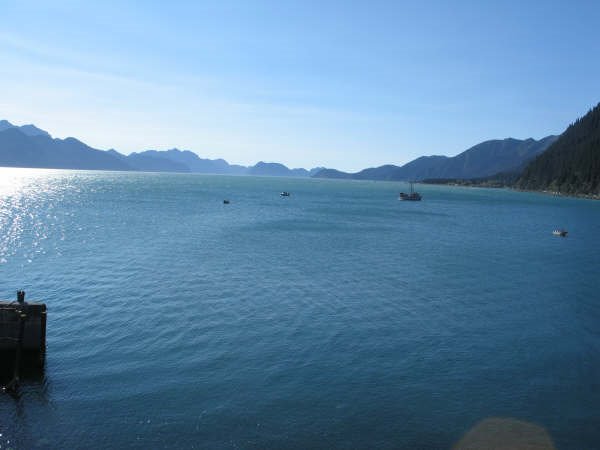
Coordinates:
(336, 318)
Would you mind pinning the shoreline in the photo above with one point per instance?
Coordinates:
(455, 184)
(560, 194)
(534, 191)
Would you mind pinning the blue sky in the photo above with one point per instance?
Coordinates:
(326, 83)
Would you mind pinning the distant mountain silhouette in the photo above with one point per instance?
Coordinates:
(275, 170)
(333, 173)
(32, 130)
(29, 130)
(571, 165)
(5, 125)
(482, 160)
(176, 160)
(29, 146)
(195, 163)
(150, 163)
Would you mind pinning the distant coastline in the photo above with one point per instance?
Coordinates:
(566, 165)
(558, 194)
(498, 185)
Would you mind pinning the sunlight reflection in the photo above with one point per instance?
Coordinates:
(23, 195)
(16, 180)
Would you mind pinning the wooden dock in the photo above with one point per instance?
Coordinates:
(22, 340)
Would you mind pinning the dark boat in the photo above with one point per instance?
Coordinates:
(411, 196)
(560, 232)
(226, 202)
(285, 194)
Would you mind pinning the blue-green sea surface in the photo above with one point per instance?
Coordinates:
(338, 317)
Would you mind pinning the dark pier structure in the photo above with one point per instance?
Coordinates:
(22, 341)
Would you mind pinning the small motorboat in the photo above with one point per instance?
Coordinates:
(285, 194)
(226, 202)
(560, 232)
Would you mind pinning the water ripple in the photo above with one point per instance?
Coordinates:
(338, 317)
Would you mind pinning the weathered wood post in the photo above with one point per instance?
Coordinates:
(22, 339)
(22, 318)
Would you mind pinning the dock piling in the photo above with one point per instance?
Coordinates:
(22, 340)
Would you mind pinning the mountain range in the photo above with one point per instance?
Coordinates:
(569, 163)
(29, 146)
(482, 160)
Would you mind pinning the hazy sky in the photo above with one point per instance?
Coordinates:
(340, 84)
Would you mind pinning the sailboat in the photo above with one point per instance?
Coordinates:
(411, 196)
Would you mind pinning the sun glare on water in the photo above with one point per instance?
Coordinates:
(22, 194)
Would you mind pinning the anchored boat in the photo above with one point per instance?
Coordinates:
(411, 196)
(560, 232)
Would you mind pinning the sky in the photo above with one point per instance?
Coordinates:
(341, 84)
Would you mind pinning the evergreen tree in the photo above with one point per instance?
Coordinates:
(572, 164)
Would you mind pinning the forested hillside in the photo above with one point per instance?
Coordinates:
(572, 164)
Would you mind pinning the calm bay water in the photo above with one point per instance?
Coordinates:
(336, 318)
